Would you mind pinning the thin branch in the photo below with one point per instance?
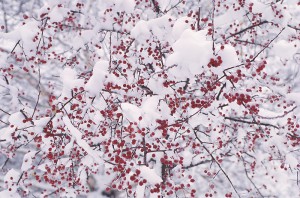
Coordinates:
(4, 122)
(213, 28)
(198, 19)
(156, 6)
(293, 27)
(223, 86)
(39, 87)
(197, 164)
(4, 111)
(218, 164)
(248, 28)
(7, 159)
(249, 122)
(174, 6)
(20, 178)
(261, 195)
(253, 59)
(36, 104)
(280, 116)
(26, 117)
(63, 106)
(15, 46)
(4, 17)
(248, 42)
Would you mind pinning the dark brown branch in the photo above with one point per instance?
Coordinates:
(145, 151)
(248, 42)
(280, 116)
(4, 122)
(174, 6)
(218, 164)
(198, 19)
(37, 101)
(197, 164)
(248, 122)
(218, 96)
(248, 28)
(63, 106)
(253, 59)
(26, 117)
(187, 82)
(7, 159)
(293, 27)
(15, 46)
(6, 80)
(213, 28)
(20, 178)
(4, 17)
(156, 6)
(4, 111)
(261, 195)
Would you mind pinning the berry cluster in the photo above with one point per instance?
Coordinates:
(215, 62)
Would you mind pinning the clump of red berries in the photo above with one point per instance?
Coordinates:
(215, 62)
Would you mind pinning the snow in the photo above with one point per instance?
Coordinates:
(157, 27)
(96, 43)
(69, 146)
(180, 26)
(27, 160)
(156, 85)
(140, 191)
(41, 122)
(265, 10)
(195, 117)
(228, 17)
(192, 51)
(43, 166)
(291, 160)
(285, 49)
(11, 178)
(65, 161)
(96, 82)
(131, 112)
(57, 14)
(17, 119)
(69, 193)
(82, 143)
(70, 81)
(7, 193)
(229, 57)
(150, 175)
(187, 158)
(124, 5)
(14, 93)
(25, 35)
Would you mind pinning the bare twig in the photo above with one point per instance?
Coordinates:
(280, 116)
(293, 27)
(223, 86)
(15, 46)
(248, 28)
(253, 59)
(174, 6)
(249, 122)
(197, 164)
(218, 164)
(4, 111)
